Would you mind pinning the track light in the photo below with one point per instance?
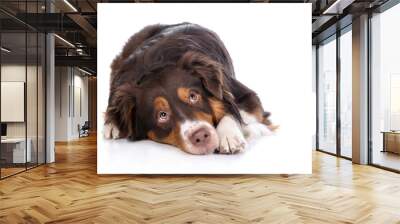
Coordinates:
(337, 7)
(84, 71)
(5, 49)
(70, 5)
(64, 40)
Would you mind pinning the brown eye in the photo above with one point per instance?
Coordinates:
(163, 116)
(193, 97)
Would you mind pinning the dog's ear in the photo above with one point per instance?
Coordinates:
(121, 109)
(212, 75)
(209, 71)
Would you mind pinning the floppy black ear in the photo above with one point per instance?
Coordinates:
(121, 110)
(211, 74)
(209, 71)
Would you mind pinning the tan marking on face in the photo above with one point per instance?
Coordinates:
(151, 135)
(173, 137)
(161, 104)
(218, 109)
(183, 94)
(203, 117)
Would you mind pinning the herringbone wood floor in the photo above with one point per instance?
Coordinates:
(70, 191)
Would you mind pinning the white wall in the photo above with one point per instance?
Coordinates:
(61, 103)
(80, 102)
(71, 93)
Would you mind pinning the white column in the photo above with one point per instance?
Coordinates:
(50, 98)
(360, 90)
(50, 93)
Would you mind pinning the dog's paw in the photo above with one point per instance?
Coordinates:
(232, 144)
(231, 139)
(110, 131)
(256, 130)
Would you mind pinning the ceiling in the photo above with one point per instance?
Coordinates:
(75, 22)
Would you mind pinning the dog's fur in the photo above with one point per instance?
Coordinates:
(175, 84)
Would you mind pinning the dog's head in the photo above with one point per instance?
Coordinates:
(178, 105)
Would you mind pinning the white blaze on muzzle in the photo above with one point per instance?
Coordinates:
(199, 137)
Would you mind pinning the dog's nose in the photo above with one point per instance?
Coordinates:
(200, 137)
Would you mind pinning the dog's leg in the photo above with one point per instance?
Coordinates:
(110, 131)
(252, 128)
(230, 136)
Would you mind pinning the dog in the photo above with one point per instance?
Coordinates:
(175, 84)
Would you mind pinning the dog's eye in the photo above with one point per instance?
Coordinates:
(163, 116)
(193, 97)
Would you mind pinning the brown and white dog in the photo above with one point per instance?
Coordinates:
(175, 84)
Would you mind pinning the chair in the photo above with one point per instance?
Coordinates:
(84, 130)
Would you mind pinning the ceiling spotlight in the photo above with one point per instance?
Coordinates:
(79, 51)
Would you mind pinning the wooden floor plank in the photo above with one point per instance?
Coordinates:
(70, 191)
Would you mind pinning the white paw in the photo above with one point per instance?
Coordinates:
(232, 144)
(230, 136)
(256, 130)
(110, 131)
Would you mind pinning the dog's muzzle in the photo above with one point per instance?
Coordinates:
(199, 137)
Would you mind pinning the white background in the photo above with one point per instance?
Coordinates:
(270, 45)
